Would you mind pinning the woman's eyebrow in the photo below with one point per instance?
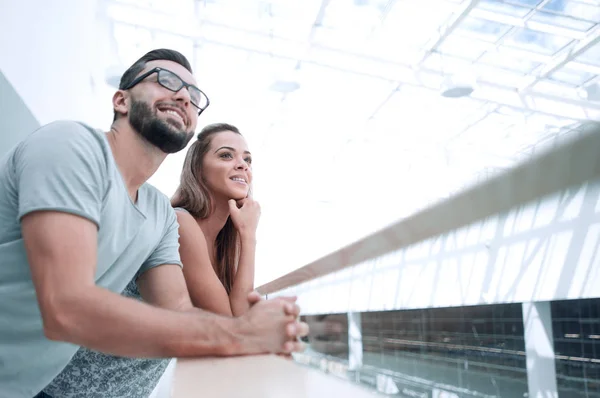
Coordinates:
(231, 149)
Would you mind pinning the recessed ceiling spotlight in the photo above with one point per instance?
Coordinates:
(454, 87)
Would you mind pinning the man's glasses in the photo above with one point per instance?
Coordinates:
(171, 81)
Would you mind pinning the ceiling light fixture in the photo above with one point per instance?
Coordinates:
(456, 87)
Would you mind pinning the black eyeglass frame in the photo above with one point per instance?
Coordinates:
(157, 70)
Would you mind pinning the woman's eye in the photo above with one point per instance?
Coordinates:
(226, 155)
(248, 160)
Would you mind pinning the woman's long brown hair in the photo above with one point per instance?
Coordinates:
(193, 196)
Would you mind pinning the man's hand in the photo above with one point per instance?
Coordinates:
(254, 297)
(272, 325)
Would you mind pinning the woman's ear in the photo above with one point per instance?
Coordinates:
(121, 102)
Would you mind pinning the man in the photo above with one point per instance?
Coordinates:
(78, 222)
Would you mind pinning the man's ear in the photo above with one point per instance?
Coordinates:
(121, 102)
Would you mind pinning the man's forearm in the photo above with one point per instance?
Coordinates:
(105, 321)
(244, 277)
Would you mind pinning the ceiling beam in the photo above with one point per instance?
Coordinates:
(564, 57)
(448, 28)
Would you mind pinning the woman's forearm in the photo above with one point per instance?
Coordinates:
(243, 282)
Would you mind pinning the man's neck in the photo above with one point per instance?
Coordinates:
(136, 159)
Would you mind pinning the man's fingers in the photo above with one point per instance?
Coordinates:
(293, 346)
(297, 329)
(289, 299)
(302, 329)
(291, 309)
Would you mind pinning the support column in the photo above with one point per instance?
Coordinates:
(539, 348)
(355, 348)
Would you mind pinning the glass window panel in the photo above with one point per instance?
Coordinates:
(571, 76)
(500, 76)
(385, 49)
(463, 47)
(362, 65)
(345, 15)
(131, 42)
(483, 29)
(504, 8)
(566, 22)
(540, 42)
(558, 89)
(446, 64)
(591, 56)
(416, 22)
(505, 60)
(574, 9)
(531, 3)
(176, 7)
(140, 3)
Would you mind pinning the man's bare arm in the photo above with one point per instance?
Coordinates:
(61, 250)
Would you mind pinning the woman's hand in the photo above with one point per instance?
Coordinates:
(245, 214)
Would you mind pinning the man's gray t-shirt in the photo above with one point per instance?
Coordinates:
(69, 168)
(92, 374)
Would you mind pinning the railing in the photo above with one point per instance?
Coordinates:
(570, 166)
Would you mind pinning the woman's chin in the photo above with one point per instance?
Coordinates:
(239, 195)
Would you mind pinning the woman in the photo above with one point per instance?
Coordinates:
(218, 221)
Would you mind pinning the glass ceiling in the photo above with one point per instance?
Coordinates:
(340, 99)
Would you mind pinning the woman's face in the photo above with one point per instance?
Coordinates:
(227, 166)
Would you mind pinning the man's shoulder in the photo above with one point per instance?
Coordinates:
(69, 127)
(66, 135)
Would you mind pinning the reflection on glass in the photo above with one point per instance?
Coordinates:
(328, 334)
(482, 29)
(460, 352)
(565, 22)
(570, 76)
(531, 3)
(575, 9)
(504, 8)
(540, 42)
(576, 330)
(505, 60)
(475, 351)
(463, 47)
(591, 56)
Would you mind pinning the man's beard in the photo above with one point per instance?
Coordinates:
(156, 131)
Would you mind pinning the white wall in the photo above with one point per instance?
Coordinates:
(16, 119)
(547, 250)
(53, 54)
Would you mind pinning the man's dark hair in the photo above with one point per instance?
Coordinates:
(154, 55)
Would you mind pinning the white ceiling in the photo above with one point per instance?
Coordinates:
(366, 138)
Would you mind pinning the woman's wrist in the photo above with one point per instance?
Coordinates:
(247, 236)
